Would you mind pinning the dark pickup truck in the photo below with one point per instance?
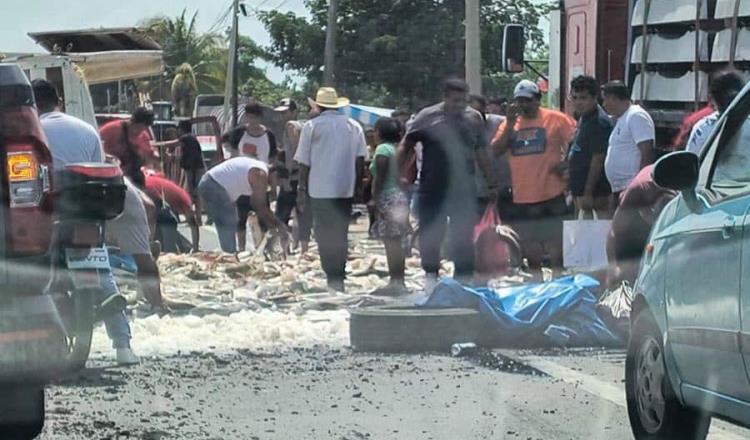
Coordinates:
(51, 252)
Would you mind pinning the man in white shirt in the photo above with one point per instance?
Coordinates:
(71, 140)
(725, 86)
(331, 155)
(631, 144)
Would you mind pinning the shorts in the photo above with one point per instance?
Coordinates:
(542, 221)
(130, 231)
(193, 177)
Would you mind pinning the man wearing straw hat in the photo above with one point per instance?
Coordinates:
(330, 154)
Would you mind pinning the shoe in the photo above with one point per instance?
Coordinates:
(393, 290)
(125, 356)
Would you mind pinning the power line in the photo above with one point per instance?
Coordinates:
(221, 21)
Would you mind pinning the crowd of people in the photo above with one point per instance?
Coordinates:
(429, 175)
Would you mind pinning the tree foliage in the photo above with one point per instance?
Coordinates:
(389, 51)
(183, 44)
(196, 63)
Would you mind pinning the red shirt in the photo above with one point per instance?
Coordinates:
(177, 198)
(113, 141)
(682, 137)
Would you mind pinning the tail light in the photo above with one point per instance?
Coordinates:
(29, 219)
(27, 178)
(27, 165)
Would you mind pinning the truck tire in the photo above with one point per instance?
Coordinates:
(397, 329)
(653, 409)
(21, 411)
(81, 333)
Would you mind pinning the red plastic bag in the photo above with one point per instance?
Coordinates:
(495, 246)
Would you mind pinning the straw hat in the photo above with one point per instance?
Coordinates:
(327, 97)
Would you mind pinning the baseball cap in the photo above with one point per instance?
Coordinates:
(286, 104)
(526, 89)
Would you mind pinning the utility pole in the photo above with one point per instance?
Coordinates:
(234, 48)
(330, 52)
(473, 48)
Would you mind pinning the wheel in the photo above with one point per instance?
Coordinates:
(82, 329)
(409, 329)
(653, 409)
(21, 412)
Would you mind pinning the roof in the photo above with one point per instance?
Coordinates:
(95, 40)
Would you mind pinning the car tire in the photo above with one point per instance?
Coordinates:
(79, 339)
(21, 412)
(653, 409)
(399, 329)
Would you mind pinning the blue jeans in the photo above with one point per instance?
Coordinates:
(116, 324)
(222, 210)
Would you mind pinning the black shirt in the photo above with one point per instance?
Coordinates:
(449, 150)
(592, 137)
(192, 155)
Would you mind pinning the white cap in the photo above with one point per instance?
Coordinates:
(526, 89)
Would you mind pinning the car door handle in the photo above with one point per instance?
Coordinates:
(730, 225)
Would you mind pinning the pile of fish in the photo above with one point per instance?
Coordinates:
(208, 283)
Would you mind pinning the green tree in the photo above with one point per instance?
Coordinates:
(197, 63)
(390, 51)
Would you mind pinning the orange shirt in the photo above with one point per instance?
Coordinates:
(537, 146)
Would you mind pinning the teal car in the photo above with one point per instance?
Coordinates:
(689, 352)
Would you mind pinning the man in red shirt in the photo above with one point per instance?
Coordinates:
(130, 142)
(639, 208)
(162, 189)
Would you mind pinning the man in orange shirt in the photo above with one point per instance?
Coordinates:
(536, 141)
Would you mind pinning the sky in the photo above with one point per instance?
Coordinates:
(20, 17)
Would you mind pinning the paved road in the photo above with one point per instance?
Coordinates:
(324, 394)
(336, 394)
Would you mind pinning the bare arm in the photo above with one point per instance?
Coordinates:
(483, 160)
(502, 144)
(381, 170)
(360, 172)
(404, 151)
(647, 153)
(595, 172)
(259, 182)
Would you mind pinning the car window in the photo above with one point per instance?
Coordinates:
(732, 163)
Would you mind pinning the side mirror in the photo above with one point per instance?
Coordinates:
(514, 45)
(679, 171)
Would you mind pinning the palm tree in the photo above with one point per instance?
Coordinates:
(182, 44)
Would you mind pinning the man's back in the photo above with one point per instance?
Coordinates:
(71, 140)
(330, 145)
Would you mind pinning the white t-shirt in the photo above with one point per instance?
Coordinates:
(257, 147)
(700, 133)
(330, 145)
(232, 175)
(623, 160)
(70, 140)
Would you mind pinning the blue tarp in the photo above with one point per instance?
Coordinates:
(365, 114)
(560, 312)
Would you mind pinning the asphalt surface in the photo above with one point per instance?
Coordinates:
(326, 394)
